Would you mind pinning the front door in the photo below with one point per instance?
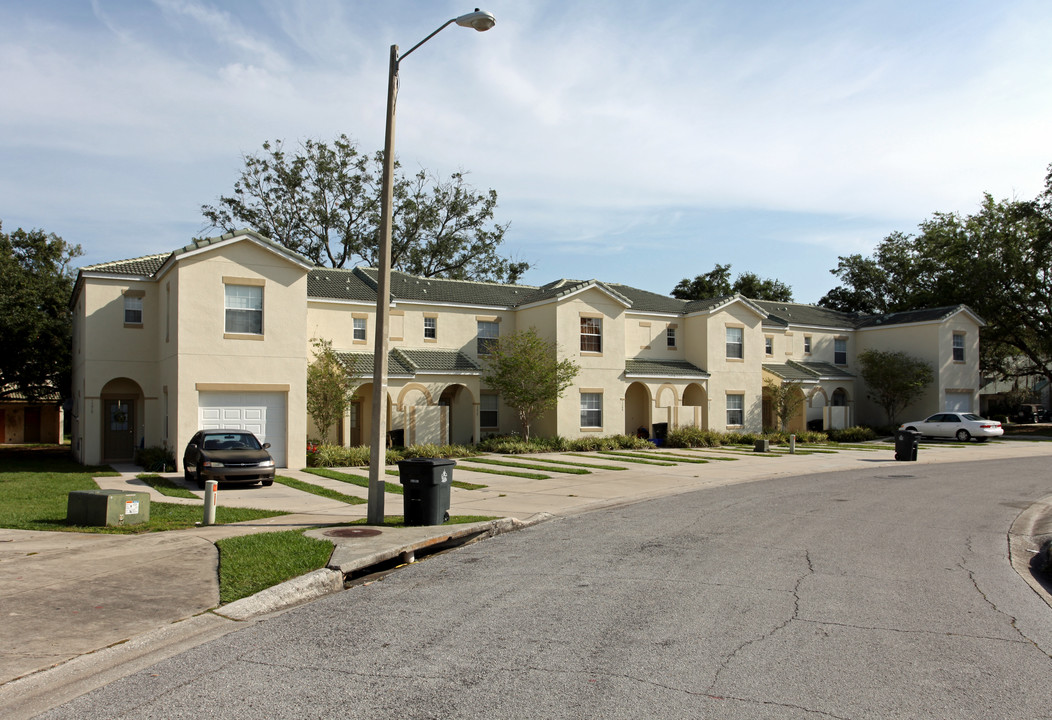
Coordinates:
(119, 432)
(356, 424)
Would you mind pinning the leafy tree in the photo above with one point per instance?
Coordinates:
(753, 286)
(323, 201)
(893, 379)
(998, 261)
(329, 387)
(786, 398)
(717, 283)
(35, 319)
(525, 370)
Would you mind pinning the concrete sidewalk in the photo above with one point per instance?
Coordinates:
(82, 609)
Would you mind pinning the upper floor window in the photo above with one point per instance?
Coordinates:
(807, 344)
(735, 410)
(958, 347)
(488, 332)
(133, 309)
(431, 328)
(768, 345)
(359, 329)
(488, 414)
(591, 334)
(592, 410)
(735, 342)
(670, 338)
(244, 309)
(840, 351)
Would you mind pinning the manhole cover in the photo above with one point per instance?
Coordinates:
(352, 532)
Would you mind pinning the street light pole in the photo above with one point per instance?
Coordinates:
(477, 20)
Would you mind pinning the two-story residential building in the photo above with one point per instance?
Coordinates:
(219, 334)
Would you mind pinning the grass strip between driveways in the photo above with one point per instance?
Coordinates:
(673, 456)
(319, 490)
(639, 459)
(364, 481)
(356, 480)
(590, 466)
(526, 465)
(509, 473)
(250, 563)
(167, 486)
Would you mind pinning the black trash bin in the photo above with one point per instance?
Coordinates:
(660, 434)
(425, 489)
(906, 445)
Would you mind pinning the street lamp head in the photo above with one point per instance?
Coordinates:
(480, 20)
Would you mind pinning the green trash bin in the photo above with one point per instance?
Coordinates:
(425, 489)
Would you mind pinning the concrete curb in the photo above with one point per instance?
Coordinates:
(1024, 537)
(344, 561)
(291, 592)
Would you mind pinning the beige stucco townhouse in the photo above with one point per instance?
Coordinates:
(219, 334)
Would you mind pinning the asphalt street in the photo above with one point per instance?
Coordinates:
(885, 592)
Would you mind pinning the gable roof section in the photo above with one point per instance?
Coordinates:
(672, 369)
(926, 315)
(711, 305)
(564, 288)
(785, 314)
(404, 363)
(807, 372)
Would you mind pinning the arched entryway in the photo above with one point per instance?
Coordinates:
(695, 407)
(637, 409)
(459, 407)
(122, 419)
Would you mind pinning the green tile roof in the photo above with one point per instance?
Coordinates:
(402, 362)
(663, 368)
(807, 371)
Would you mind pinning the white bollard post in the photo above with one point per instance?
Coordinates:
(792, 444)
(211, 498)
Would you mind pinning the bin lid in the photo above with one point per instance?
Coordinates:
(427, 462)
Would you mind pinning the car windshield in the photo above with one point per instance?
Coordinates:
(231, 441)
(969, 416)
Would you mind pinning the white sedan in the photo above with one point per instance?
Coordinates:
(963, 426)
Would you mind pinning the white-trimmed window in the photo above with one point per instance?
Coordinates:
(958, 347)
(768, 345)
(735, 410)
(244, 309)
(133, 309)
(488, 332)
(735, 343)
(359, 329)
(488, 411)
(840, 351)
(591, 334)
(807, 344)
(670, 338)
(431, 328)
(591, 410)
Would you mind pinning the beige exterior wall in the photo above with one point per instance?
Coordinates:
(732, 376)
(932, 343)
(182, 345)
(182, 348)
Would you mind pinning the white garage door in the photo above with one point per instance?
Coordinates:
(261, 412)
(958, 402)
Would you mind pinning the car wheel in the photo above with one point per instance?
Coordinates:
(187, 475)
(963, 435)
(200, 481)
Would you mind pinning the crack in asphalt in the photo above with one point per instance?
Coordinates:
(794, 616)
(903, 631)
(706, 694)
(1012, 619)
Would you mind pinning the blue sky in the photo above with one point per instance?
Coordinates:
(635, 142)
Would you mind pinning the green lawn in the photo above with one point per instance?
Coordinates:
(35, 484)
(251, 563)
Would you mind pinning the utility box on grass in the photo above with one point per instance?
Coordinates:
(425, 489)
(100, 508)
